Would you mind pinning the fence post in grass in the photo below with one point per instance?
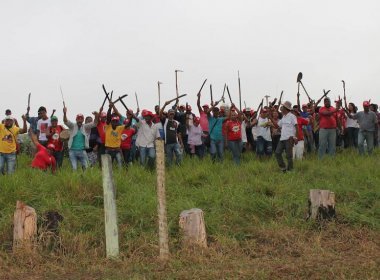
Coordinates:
(321, 204)
(110, 215)
(192, 225)
(25, 227)
(161, 205)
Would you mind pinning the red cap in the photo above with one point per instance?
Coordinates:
(196, 119)
(188, 108)
(146, 113)
(126, 122)
(115, 118)
(80, 116)
(206, 105)
(366, 104)
(103, 114)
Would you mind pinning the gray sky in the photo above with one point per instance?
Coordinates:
(130, 45)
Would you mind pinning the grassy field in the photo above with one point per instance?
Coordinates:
(255, 219)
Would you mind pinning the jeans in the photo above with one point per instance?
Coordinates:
(216, 149)
(351, 139)
(78, 155)
(286, 145)
(235, 148)
(263, 147)
(368, 136)
(170, 150)
(126, 156)
(327, 141)
(58, 155)
(10, 161)
(147, 151)
(115, 155)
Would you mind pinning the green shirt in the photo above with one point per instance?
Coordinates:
(78, 141)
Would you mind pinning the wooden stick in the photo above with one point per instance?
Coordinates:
(212, 100)
(137, 101)
(239, 91)
(110, 213)
(171, 100)
(163, 234)
(229, 95)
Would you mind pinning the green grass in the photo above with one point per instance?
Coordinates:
(255, 220)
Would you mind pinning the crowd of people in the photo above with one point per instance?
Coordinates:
(276, 128)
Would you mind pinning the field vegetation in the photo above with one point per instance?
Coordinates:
(255, 220)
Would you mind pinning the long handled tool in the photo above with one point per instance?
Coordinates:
(229, 95)
(212, 99)
(107, 97)
(202, 86)
(176, 81)
(344, 94)
(63, 100)
(239, 91)
(29, 99)
(299, 81)
(137, 100)
(325, 93)
(120, 98)
(122, 102)
(171, 100)
(159, 93)
(279, 101)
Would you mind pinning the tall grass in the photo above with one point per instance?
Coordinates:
(239, 202)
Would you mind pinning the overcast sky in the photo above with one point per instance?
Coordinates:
(130, 45)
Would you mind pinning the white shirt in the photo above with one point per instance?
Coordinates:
(352, 123)
(262, 130)
(288, 126)
(42, 127)
(146, 135)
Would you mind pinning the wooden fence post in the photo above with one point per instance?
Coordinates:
(25, 227)
(161, 205)
(192, 225)
(110, 214)
(321, 204)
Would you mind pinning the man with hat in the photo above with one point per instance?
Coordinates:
(367, 126)
(53, 136)
(288, 138)
(216, 133)
(8, 141)
(327, 129)
(173, 140)
(113, 133)
(146, 135)
(79, 138)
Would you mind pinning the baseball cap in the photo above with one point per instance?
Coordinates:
(366, 104)
(115, 118)
(103, 114)
(126, 122)
(54, 118)
(8, 117)
(171, 111)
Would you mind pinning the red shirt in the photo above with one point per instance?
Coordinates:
(301, 122)
(233, 129)
(341, 116)
(126, 138)
(327, 121)
(43, 160)
(102, 131)
(53, 138)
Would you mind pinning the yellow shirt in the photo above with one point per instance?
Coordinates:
(8, 139)
(113, 136)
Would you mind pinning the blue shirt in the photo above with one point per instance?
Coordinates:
(216, 127)
(33, 123)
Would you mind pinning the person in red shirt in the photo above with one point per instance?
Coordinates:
(233, 132)
(126, 141)
(327, 129)
(53, 136)
(44, 158)
(299, 148)
(341, 123)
